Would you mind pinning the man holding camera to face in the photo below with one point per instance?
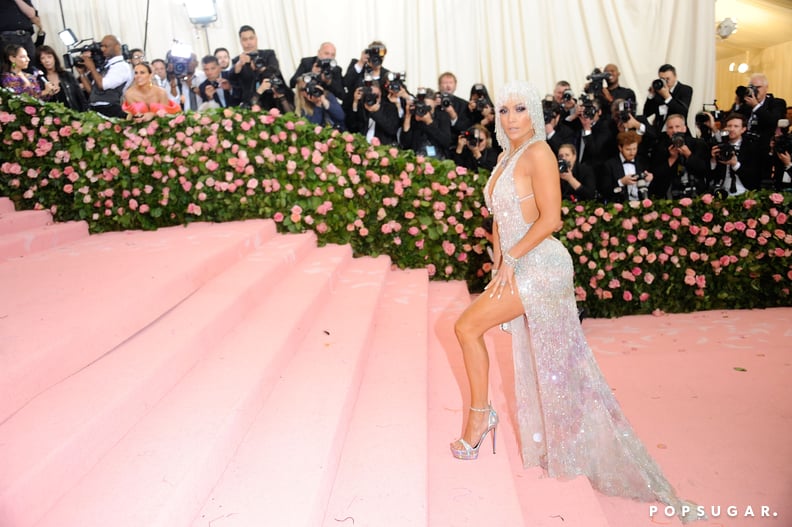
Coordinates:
(371, 113)
(734, 167)
(473, 149)
(426, 129)
(256, 73)
(324, 66)
(680, 162)
(667, 96)
(762, 111)
(105, 84)
(216, 89)
(368, 65)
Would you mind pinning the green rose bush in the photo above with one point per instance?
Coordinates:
(235, 164)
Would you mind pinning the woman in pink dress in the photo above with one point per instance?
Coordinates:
(144, 100)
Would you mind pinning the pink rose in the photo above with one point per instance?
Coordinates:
(627, 296)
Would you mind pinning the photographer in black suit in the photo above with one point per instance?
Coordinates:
(623, 119)
(680, 162)
(368, 112)
(252, 67)
(426, 128)
(578, 181)
(556, 133)
(763, 111)
(473, 150)
(451, 104)
(625, 177)
(667, 96)
(734, 167)
(369, 64)
(216, 89)
(324, 66)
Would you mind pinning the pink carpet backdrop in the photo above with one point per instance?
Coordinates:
(232, 164)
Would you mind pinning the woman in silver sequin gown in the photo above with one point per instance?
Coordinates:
(569, 421)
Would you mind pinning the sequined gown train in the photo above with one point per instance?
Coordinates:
(569, 421)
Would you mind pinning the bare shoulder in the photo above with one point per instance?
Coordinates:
(162, 95)
(537, 158)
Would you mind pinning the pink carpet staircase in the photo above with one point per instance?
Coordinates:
(224, 375)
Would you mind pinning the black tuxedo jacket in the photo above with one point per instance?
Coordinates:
(336, 84)
(244, 82)
(600, 144)
(437, 134)
(386, 120)
(612, 171)
(679, 103)
(563, 135)
(588, 184)
(353, 79)
(750, 157)
(668, 177)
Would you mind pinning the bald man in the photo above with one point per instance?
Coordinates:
(106, 83)
(323, 64)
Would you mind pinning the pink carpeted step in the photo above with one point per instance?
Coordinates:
(545, 502)
(283, 471)
(382, 476)
(62, 433)
(6, 205)
(11, 222)
(494, 489)
(463, 493)
(67, 307)
(30, 241)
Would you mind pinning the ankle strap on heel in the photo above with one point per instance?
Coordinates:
(480, 409)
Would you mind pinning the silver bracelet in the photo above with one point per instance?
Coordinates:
(508, 259)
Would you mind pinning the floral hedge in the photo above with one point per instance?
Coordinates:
(234, 164)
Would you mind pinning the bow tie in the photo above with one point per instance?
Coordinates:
(625, 162)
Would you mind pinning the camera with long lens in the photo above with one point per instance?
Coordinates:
(312, 86)
(395, 81)
(326, 66)
(376, 54)
(725, 152)
(563, 166)
(421, 106)
(473, 137)
(625, 110)
(589, 108)
(74, 56)
(658, 84)
(370, 98)
(678, 140)
(597, 79)
(568, 95)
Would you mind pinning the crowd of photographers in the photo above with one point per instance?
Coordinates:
(610, 151)
(607, 149)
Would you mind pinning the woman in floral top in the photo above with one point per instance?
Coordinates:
(14, 78)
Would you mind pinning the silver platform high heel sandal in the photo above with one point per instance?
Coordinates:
(471, 452)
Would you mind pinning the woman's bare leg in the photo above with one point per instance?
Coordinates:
(487, 311)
